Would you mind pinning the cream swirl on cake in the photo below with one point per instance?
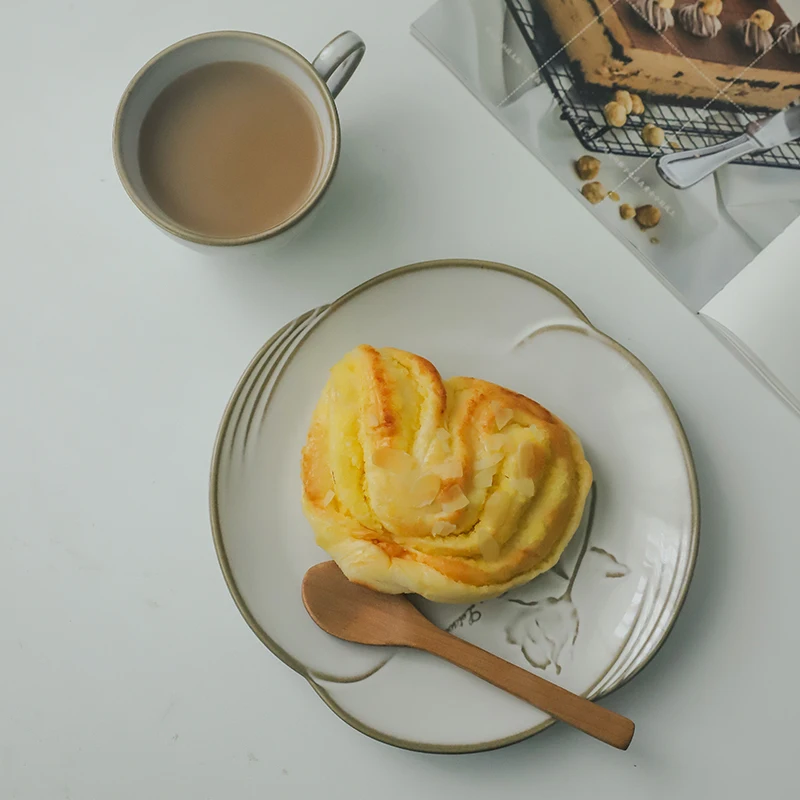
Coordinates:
(656, 13)
(755, 31)
(701, 18)
(457, 490)
(788, 37)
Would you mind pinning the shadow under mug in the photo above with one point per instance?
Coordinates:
(320, 81)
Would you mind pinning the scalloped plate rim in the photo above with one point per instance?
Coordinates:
(308, 321)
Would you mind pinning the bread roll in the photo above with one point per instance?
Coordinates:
(456, 490)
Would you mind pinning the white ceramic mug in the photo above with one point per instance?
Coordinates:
(320, 81)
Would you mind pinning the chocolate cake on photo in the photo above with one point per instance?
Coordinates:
(736, 52)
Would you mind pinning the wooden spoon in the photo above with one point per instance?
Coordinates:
(357, 614)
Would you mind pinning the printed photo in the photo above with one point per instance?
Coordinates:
(672, 120)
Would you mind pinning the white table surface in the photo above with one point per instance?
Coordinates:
(127, 671)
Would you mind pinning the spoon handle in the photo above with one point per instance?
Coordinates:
(603, 724)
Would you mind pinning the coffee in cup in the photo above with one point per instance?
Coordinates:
(230, 138)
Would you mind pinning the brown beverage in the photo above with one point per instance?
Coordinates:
(230, 149)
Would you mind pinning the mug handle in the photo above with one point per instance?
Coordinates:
(337, 61)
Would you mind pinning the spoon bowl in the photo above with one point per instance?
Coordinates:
(355, 613)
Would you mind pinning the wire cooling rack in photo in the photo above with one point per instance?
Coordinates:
(685, 127)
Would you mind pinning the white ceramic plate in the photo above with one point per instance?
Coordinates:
(589, 624)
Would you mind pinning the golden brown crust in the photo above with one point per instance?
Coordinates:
(456, 490)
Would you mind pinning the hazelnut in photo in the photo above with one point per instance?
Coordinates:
(637, 106)
(647, 216)
(624, 99)
(652, 135)
(594, 192)
(613, 196)
(587, 168)
(711, 7)
(627, 211)
(763, 19)
(615, 114)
